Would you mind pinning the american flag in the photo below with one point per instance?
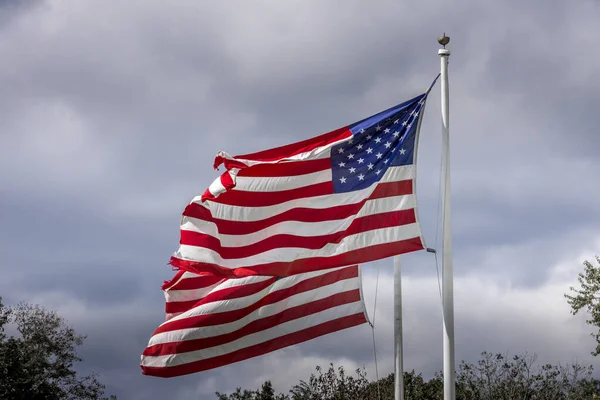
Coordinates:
(213, 322)
(341, 198)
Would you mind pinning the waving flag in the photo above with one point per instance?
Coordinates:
(341, 198)
(236, 319)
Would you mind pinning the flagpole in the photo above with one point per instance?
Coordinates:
(447, 273)
(398, 367)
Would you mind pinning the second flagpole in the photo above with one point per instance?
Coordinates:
(398, 365)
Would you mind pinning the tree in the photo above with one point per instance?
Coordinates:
(415, 387)
(266, 392)
(37, 363)
(588, 296)
(493, 377)
(497, 376)
(332, 385)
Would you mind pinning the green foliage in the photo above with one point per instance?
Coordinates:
(415, 387)
(332, 385)
(493, 377)
(496, 376)
(38, 362)
(266, 392)
(588, 297)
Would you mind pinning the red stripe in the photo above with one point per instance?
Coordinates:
(301, 214)
(259, 349)
(206, 282)
(228, 163)
(255, 326)
(358, 225)
(229, 293)
(245, 198)
(271, 298)
(177, 307)
(191, 283)
(293, 168)
(207, 195)
(365, 254)
(167, 284)
(293, 149)
(236, 292)
(389, 189)
(227, 181)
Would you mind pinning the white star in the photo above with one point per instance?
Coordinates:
(385, 161)
(360, 146)
(397, 121)
(342, 164)
(369, 150)
(350, 156)
(378, 171)
(416, 113)
(369, 137)
(409, 125)
(370, 166)
(402, 151)
(387, 145)
(362, 130)
(412, 112)
(343, 180)
(387, 130)
(361, 177)
(377, 140)
(340, 150)
(361, 160)
(404, 123)
(377, 128)
(379, 155)
(352, 170)
(396, 134)
(350, 141)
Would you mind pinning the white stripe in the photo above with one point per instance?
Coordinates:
(185, 275)
(279, 183)
(371, 207)
(236, 304)
(229, 283)
(262, 312)
(289, 327)
(349, 243)
(173, 296)
(239, 213)
(216, 188)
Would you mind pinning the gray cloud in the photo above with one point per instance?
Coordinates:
(113, 113)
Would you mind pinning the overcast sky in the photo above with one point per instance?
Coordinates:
(111, 113)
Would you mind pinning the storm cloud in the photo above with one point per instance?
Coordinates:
(113, 111)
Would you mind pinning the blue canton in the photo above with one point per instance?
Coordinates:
(378, 142)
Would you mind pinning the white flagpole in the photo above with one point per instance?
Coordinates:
(398, 367)
(447, 273)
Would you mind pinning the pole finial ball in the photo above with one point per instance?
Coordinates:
(444, 40)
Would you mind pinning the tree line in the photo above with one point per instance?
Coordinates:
(493, 377)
